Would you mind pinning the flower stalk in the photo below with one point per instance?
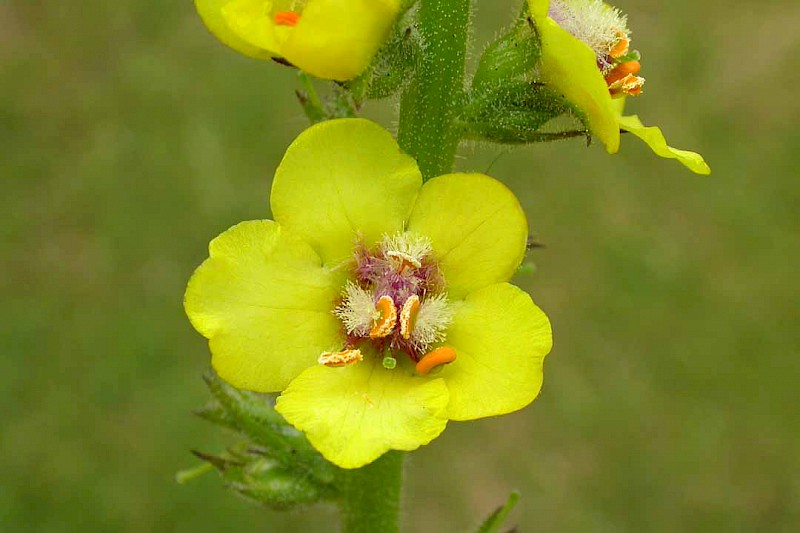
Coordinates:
(371, 495)
(431, 103)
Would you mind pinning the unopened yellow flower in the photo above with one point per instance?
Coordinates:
(585, 56)
(379, 306)
(330, 39)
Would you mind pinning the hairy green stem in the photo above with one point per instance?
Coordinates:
(432, 102)
(371, 496)
(428, 132)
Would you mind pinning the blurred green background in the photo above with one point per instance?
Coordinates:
(130, 137)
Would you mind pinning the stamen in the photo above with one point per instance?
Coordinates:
(622, 46)
(408, 316)
(357, 310)
(434, 317)
(406, 260)
(343, 358)
(438, 357)
(630, 85)
(384, 325)
(623, 70)
(408, 248)
(287, 18)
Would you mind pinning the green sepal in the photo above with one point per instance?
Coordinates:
(514, 114)
(262, 480)
(511, 57)
(393, 66)
(216, 414)
(253, 416)
(495, 521)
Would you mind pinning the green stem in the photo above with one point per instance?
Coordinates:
(371, 496)
(432, 102)
(428, 111)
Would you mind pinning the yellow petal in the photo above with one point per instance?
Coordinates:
(264, 301)
(570, 67)
(355, 414)
(656, 141)
(252, 21)
(477, 229)
(342, 179)
(336, 39)
(500, 338)
(211, 11)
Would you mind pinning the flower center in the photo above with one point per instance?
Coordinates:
(395, 304)
(605, 30)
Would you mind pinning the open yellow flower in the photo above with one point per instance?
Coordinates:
(330, 39)
(379, 306)
(591, 68)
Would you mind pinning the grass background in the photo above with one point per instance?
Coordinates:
(129, 138)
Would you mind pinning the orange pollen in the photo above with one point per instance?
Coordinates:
(621, 48)
(286, 18)
(630, 85)
(343, 358)
(438, 357)
(406, 260)
(623, 70)
(408, 316)
(387, 320)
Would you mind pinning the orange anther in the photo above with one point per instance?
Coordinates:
(343, 358)
(408, 316)
(286, 18)
(630, 85)
(438, 357)
(387, 320)
(621, 48)
(623, 70)
(405, 260)
(633, 86)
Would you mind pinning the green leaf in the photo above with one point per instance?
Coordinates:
(495, 521)
(514, 113)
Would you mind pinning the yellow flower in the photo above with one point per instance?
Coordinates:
(593, 68)
(330, 39)
(379, 306)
